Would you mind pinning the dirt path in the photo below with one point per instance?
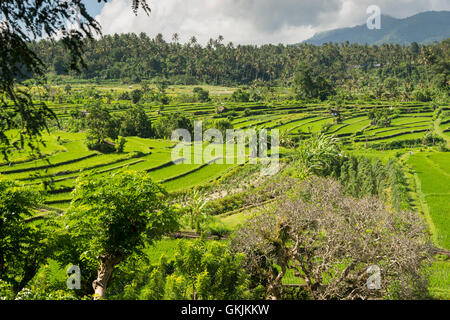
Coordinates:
(193, 235)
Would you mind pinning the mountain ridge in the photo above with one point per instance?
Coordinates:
(423, 28)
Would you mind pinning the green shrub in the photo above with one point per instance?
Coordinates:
(201, 94)
(218, 229)
(136, 95)
(225, 204)
(124, 96)
(120, 145)
(240, 96)
(423, 95)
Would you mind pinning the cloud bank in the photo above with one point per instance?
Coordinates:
(251, 21)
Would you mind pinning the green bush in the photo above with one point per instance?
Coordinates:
(225, 204)
(124, 96)
(120, 145)
(218, 229)
(240, 96)
(423, 95)
(201, 94)
(136, 95)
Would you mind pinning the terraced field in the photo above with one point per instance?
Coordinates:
(72, 158)
(444, 125)
(66, 156)
(432, 179)
(433, 173)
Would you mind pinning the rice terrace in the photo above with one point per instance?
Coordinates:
(357, 208)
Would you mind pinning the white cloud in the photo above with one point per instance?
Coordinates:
(251, 21)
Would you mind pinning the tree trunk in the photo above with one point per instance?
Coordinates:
(30, 270)
(197, 223)
(275, 287)
(104, 273)
(194, 293)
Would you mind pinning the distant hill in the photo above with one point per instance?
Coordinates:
(423, 28)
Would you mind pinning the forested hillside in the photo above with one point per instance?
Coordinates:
(133, 58)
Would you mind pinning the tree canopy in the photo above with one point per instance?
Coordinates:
(116, 216)
(24, 246)
(21, 23)
(331, 241)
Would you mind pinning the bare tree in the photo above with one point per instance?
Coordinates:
(331, 241)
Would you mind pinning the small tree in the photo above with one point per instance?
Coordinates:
(196, 207)
(161, 84)
(115, 217)
(68, 88)
(223, 125)
(101, 125)
(309, 85)
(120, 145)
(201, 95)
(23, 245)
(136, 123)
(145, 86)
(240, 96)
(136, 95)
(98, 121)
(164, 126)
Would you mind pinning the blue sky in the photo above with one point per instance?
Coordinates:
(93, 6)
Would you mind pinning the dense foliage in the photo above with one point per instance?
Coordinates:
(24, 245)
(133, 58)
(362, 177)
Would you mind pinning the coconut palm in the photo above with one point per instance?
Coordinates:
(319, 155)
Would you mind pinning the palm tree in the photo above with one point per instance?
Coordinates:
(319, 155)
(196, 208)
(175, 37)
